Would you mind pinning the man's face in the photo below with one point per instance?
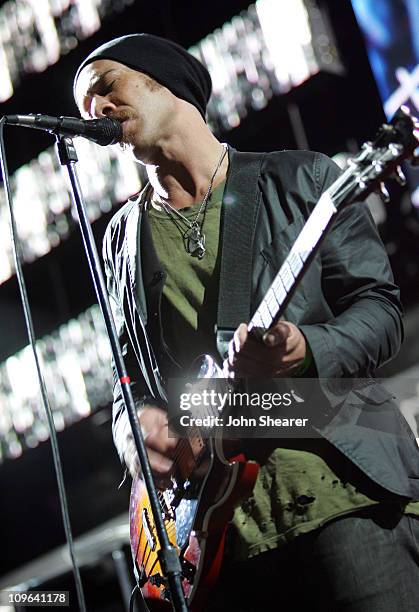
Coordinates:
(109, 89)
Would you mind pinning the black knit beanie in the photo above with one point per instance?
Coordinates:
(163, 60)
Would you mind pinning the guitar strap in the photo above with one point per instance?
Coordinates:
(238, 224)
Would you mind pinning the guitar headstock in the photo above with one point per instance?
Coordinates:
(378, 160)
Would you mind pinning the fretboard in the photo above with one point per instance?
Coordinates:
(295, 265)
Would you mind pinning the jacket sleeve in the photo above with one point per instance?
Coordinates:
(366, 329)
(120, 421)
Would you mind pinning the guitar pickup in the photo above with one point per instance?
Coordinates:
(147, 530)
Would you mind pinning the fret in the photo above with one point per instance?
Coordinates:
(325, 210)
(279, 289)
(272, 302)
(265, 315)
(311, 233)
(273, 310)
(307, 239)
(295, 263)
(257, 320)
(286, 276)
(267, 310)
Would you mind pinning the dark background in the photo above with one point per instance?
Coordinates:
(339, 112)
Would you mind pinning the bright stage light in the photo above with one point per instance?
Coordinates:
(267, 50)
(42, 204)
(34, 34)
(75, 362)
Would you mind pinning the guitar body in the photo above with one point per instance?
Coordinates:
(196, 527)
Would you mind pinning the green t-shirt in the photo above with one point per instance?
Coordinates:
(190, 294)
(297, 489)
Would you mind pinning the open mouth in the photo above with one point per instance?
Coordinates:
(124, 122)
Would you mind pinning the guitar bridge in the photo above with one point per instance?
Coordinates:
(157, 580)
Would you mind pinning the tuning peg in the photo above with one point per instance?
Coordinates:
(400, 177)
(384, 193)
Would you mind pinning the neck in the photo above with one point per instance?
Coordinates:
(184, 170)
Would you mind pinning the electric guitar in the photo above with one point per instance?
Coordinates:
(210, 479)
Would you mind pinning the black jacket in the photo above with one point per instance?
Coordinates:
(347, 307)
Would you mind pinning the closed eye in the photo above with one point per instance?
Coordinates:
(105, 88)
(101, 86)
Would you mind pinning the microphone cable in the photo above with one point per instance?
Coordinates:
(32, 340)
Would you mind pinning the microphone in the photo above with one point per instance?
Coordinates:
(102, 131)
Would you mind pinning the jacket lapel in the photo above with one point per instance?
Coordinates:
(133, 255)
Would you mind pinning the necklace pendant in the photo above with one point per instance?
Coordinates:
(195, 242)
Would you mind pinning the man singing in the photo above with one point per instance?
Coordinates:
(331, 523)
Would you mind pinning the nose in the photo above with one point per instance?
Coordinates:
(100, 107)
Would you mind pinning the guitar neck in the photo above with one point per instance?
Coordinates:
(296, 264)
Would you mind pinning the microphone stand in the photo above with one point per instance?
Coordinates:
(167, 554)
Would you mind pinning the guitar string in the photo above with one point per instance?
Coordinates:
(182, 450)
(148, 557)
(156, 560)
(144, 561)
(171, 526)
(144, 551)
(181, 453)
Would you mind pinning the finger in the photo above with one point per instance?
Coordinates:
(259, 351)
(240, 337)
(231, 353)
(161, 442)
(246, 343)
(235, 345)
(277, 335)
(227, 371)
(245, 366)
(161, 466)
(152, 421)
(265, 361)
(131, 458)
